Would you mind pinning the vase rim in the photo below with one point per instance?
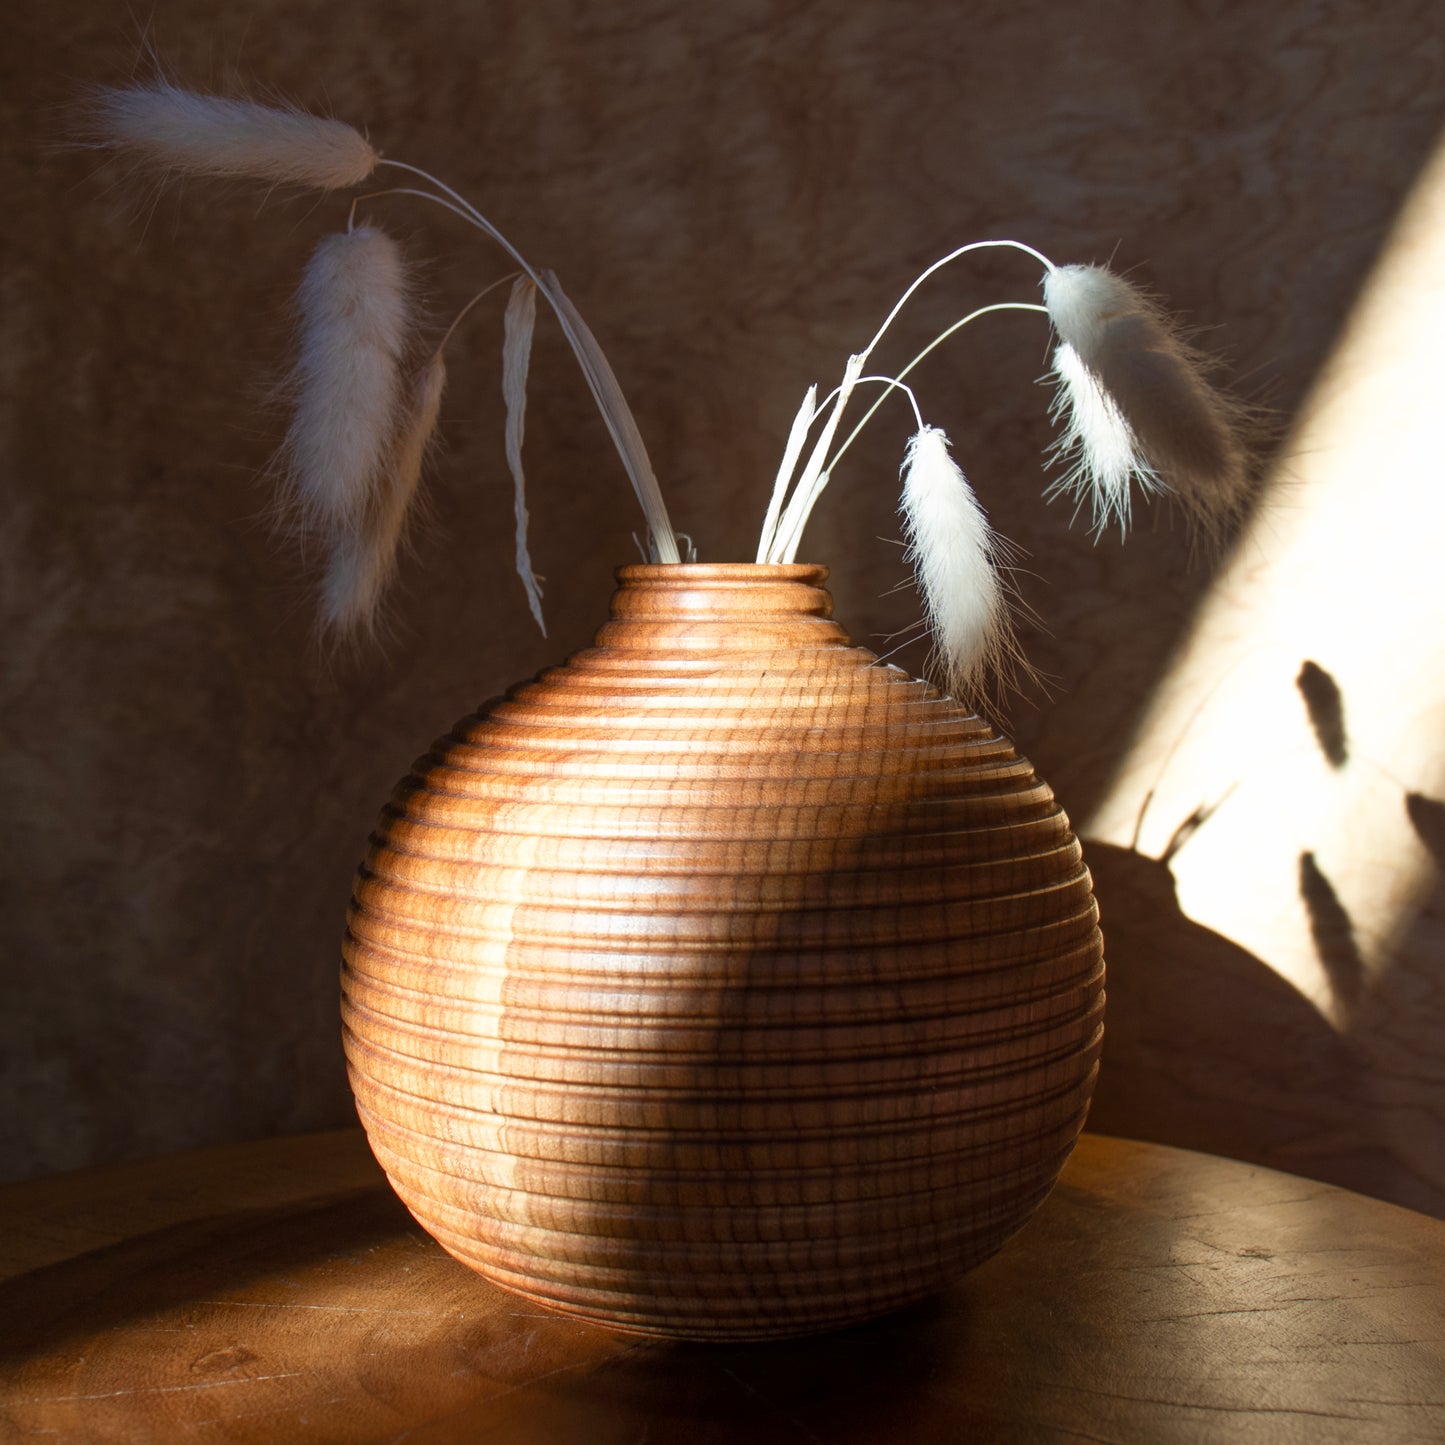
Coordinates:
(812, 572)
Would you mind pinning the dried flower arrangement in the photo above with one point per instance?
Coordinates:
(1132, 400)
(673, 997)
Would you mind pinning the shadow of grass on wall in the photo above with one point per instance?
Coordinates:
(1209, 1048)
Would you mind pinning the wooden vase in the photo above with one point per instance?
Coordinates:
(723, 983)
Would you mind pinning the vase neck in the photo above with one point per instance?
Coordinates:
(733, 606)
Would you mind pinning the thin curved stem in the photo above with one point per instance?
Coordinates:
(940, 264)
(598, 374)
(815, 475)
(436, 200)
(896, 383)
(936, 342)
(790, 531)
(481, 295)
(477, 218)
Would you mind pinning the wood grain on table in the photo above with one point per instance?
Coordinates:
(279, 1292)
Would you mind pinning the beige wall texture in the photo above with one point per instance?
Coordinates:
(733, 194)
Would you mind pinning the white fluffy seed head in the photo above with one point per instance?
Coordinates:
(357, 574)
(362, 560)
(1149, 383)
(347, 379)
(1095, 444)
(954, 555)
(210, 135)
(1083, 301)
(423, 410)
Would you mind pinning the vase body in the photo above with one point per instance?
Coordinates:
(723, 983)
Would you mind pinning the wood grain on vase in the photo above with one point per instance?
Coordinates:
(723, 982)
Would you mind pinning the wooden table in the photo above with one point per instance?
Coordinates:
(277, 1292)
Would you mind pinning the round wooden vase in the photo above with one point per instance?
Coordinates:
(723, 983)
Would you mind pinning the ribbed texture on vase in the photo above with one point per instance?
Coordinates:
(723, 983)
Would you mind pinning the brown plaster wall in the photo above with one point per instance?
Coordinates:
(733, 194)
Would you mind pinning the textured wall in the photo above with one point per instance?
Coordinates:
(733, 194)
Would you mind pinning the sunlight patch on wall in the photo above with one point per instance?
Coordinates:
(1307, 707)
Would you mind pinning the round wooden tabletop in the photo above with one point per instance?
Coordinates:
(278, 1292)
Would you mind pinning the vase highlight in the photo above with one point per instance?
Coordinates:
(723, 982)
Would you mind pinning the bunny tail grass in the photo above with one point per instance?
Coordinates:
(347, 378)
(954, 555)
(521, 317)
(1184, 434)
(1096, 445)
(209, 135)
(363, 559)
